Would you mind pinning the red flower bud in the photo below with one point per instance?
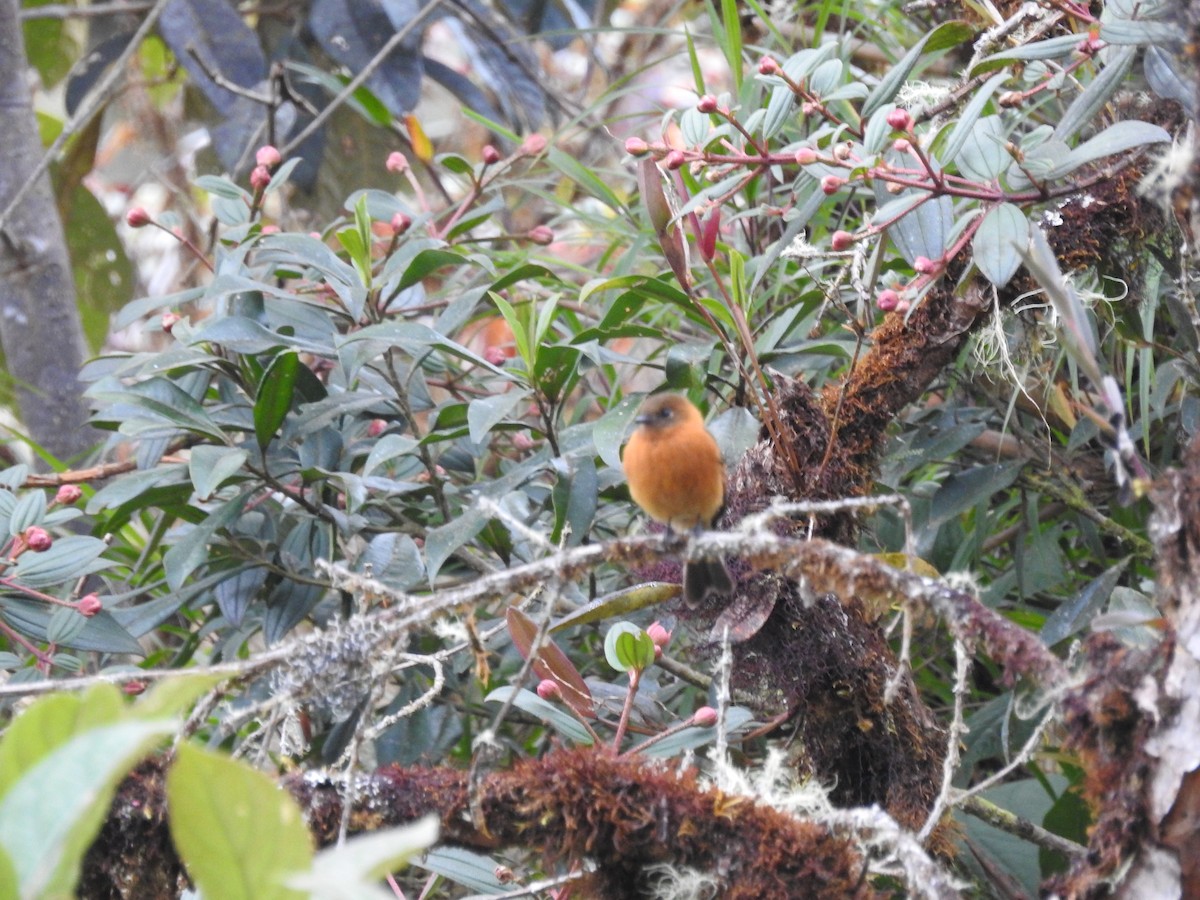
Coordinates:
(260, 178)
(37, 539)
(491, 155)
(268, 156)
(675, 159)
(400, 223)
(397, 162)
(533, 145)
(659, 634)
(495, 355)
(89, 605)
(68, 494)
(541, 234)
(842, 240)
(522, 441)
(900, 119)
(376, 427)
(635, 146)
(707, 104)
(887, 300)
(831, 184)
(548, 689)
(137, 218)
(704, 717)
(767, 66)
(169, 320)
(925, 265)
(133, 688)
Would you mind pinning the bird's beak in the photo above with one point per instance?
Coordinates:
(643, 420)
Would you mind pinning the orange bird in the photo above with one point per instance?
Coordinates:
(676, 475)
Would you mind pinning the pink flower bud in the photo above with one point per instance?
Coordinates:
(635, 146)
(675, 159)
(806, 156)
(401, 223)
(807, 108)
(495, 355)
(548, 689)
(659, 634)
(260, 178)
(68, 494)
(376, 427)
(541, 234)
(704, 717)
(925, 265)
(522, 441)
(491, 155)
(842, 240)
(170, 320)
(902, 145)
(767, 66)
(89, 605)
(137, 218)
(133, 688)
(270, 229)
(902, 306)
(533, 145)
(37, 539)
(268, 156)
(900, 119)
(831, 184)
(887, 300)
(397, 162)
(707, 104)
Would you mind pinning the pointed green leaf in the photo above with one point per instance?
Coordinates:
(275, 396)
(997, 244)
(209, 466)
(946, 35)
(239, 835)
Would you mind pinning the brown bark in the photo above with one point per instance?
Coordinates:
(39, 325)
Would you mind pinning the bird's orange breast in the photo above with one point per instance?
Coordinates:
(676, 474)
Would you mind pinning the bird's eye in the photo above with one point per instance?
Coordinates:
(664, 413)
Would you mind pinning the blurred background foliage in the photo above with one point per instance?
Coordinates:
(424, 366)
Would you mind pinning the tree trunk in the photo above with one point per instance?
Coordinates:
(39, 324)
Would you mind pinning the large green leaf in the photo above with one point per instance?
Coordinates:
(239, 835)
(275, 393)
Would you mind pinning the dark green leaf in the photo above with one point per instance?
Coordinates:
(275, 395)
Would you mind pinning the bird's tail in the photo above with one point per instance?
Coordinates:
(702, 577)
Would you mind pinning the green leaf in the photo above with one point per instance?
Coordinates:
(209, 466)
(239, 835)
(67, 559)
(426, 262)
(275, 394)
(355, 868)
(29, 510)
(102, 633)
(51, 722)
(557, 717)
(997, 244)
(442, 541)
(585, 178)
(472, 870)
(627, 647)
(1086, 107)
(1118, 138)
(946, 35)
(191, 551)
(1051, 48)
(619, 603)
(964, 490)
(983, 155)
(526, 351)
(486, 413)
(46, 841)
(1074, 615)
(970, 115)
